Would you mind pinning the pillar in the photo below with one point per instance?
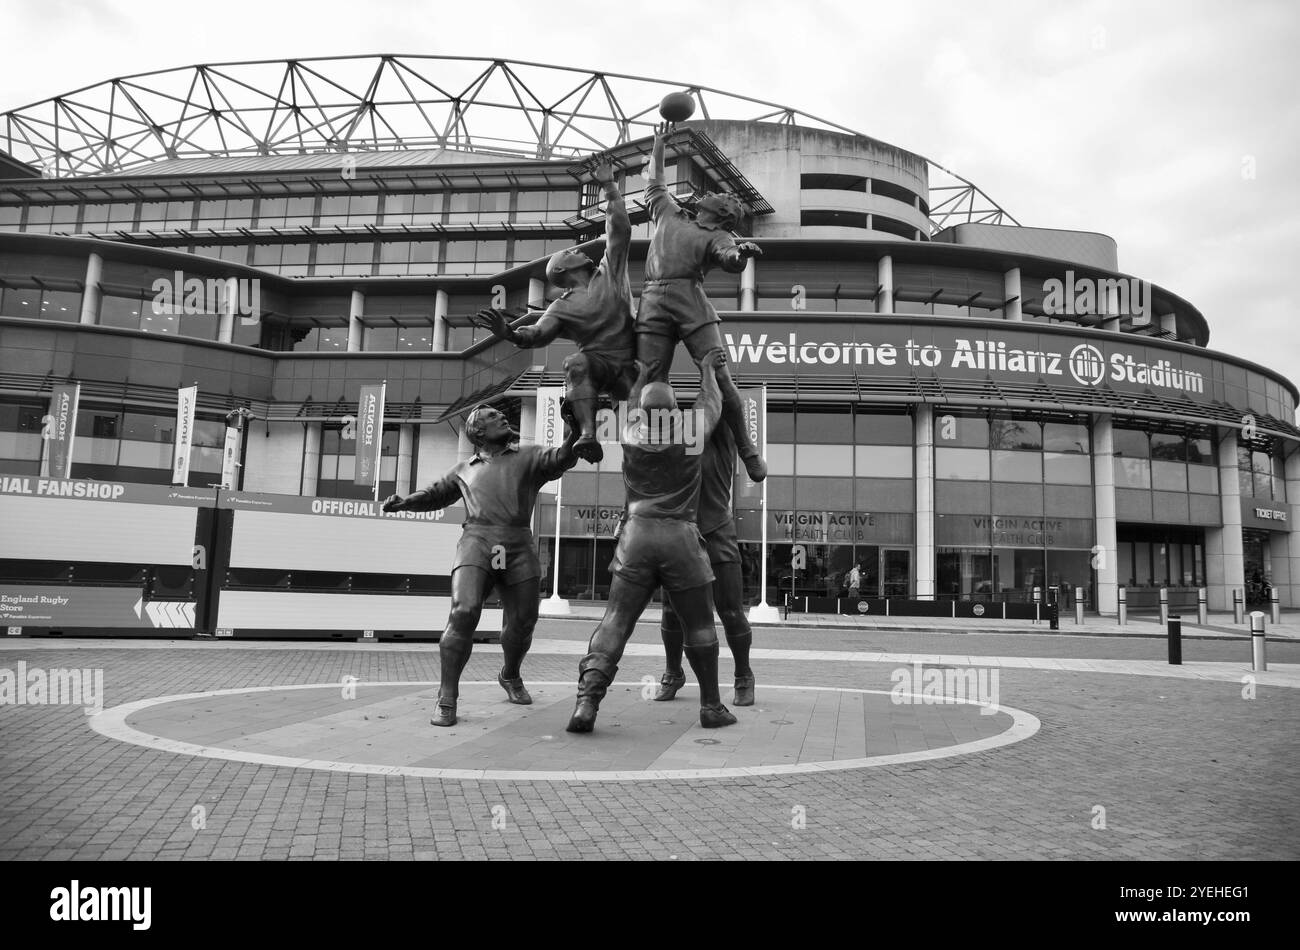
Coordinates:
(226, 319)
(440, 304)
(1106, 543)
(528, 420)
(885, 277)
(923, 440)
(92, 296)
(311, 458)
(355, 327)
(1011, 291)
(1225, 564)
(749, 287)
(405, 452)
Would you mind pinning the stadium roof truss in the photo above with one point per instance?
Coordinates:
(514, 110)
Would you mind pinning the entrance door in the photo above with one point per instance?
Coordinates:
(895, 572)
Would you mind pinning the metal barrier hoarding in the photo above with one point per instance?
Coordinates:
(98, 558)
(326, 567)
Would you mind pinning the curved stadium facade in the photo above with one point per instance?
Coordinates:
(964, 407)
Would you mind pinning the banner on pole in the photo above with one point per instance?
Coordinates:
(753, 403)
(229, 457)
(185, 400)
(370, 434)
(59, 428)
(550, 426)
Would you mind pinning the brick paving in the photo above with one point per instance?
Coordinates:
(1185, 768)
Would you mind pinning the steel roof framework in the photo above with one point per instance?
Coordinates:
(513, 109)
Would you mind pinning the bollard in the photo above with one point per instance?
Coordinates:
(1054, 615)
(1257, 640)
(1164, 605)
(1276, 601)
(1123, 605)
(1202, 607)
(1237, 606)
(1078, 606)
(1175, 640)
(1038, 605)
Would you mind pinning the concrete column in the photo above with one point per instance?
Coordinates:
(91, 298)
(1011, 290)
(1286, 544)
(440, 305)
(1169, 325)
(1103, 501)
(749, 287)
(311, 458)
(536, 292)
(405, 452)
(1225, 564)
(527, 420)
(355, 327)
(226, 320)
(885, 277)
(923, 440)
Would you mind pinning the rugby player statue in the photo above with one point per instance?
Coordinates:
(718, 527)
(673, 305)
(594, 312)
(499, 486)
(659, 542)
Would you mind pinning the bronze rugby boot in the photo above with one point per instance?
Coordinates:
(516, 692)
(595, 673)
(446, 714)
(669, 684)
(744, 691)
(704, 663)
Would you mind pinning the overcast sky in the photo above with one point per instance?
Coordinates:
(1173, 127)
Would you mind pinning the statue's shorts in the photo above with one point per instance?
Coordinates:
(610, 371)
(721, 544)
(507, 553)
(675, 308)
(661, 552)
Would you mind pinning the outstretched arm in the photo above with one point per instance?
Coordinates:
(618, 226)
(441, 494)
(658, 201)
(732, 255)
(708, 406)
(555, 462)
(523, 332)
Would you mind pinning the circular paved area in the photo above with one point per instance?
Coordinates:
(383, 728)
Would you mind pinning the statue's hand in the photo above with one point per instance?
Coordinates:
(604, 173)
(494, 320)
(749, 249)
(393, 503)
(570, 419)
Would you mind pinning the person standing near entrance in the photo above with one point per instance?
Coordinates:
(853, 581)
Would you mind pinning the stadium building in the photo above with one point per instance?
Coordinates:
(962, 406)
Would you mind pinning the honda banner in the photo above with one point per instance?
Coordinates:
(370, 434)
(550, 427)
(185, 400)
(59, 428)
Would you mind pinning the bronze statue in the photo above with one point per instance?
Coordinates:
(659, 543)
(718, 527)
(673, 304)
(595, 312)
(499, 486)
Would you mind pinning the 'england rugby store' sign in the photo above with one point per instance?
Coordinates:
(874, 346)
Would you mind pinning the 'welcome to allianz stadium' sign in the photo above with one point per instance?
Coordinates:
(882, 348)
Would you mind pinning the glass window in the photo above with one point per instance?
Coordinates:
(10, 217)
(1168, 476)
(1131, 443)
(831, 424)
(1065, 468)
(380, 338)
(883, 461)
(122, 312)
(951, 429)
(1132, 472)
(1201, 451)
(1020, 434)
(36, 304)
(419, 338)
(323, 339)
(1203, 479)
(824, 460)
(780, 425)
(874, 428)
(780, 458)
(964, 464)
(1066, 437)
(1169, 447)
(1017, 466)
